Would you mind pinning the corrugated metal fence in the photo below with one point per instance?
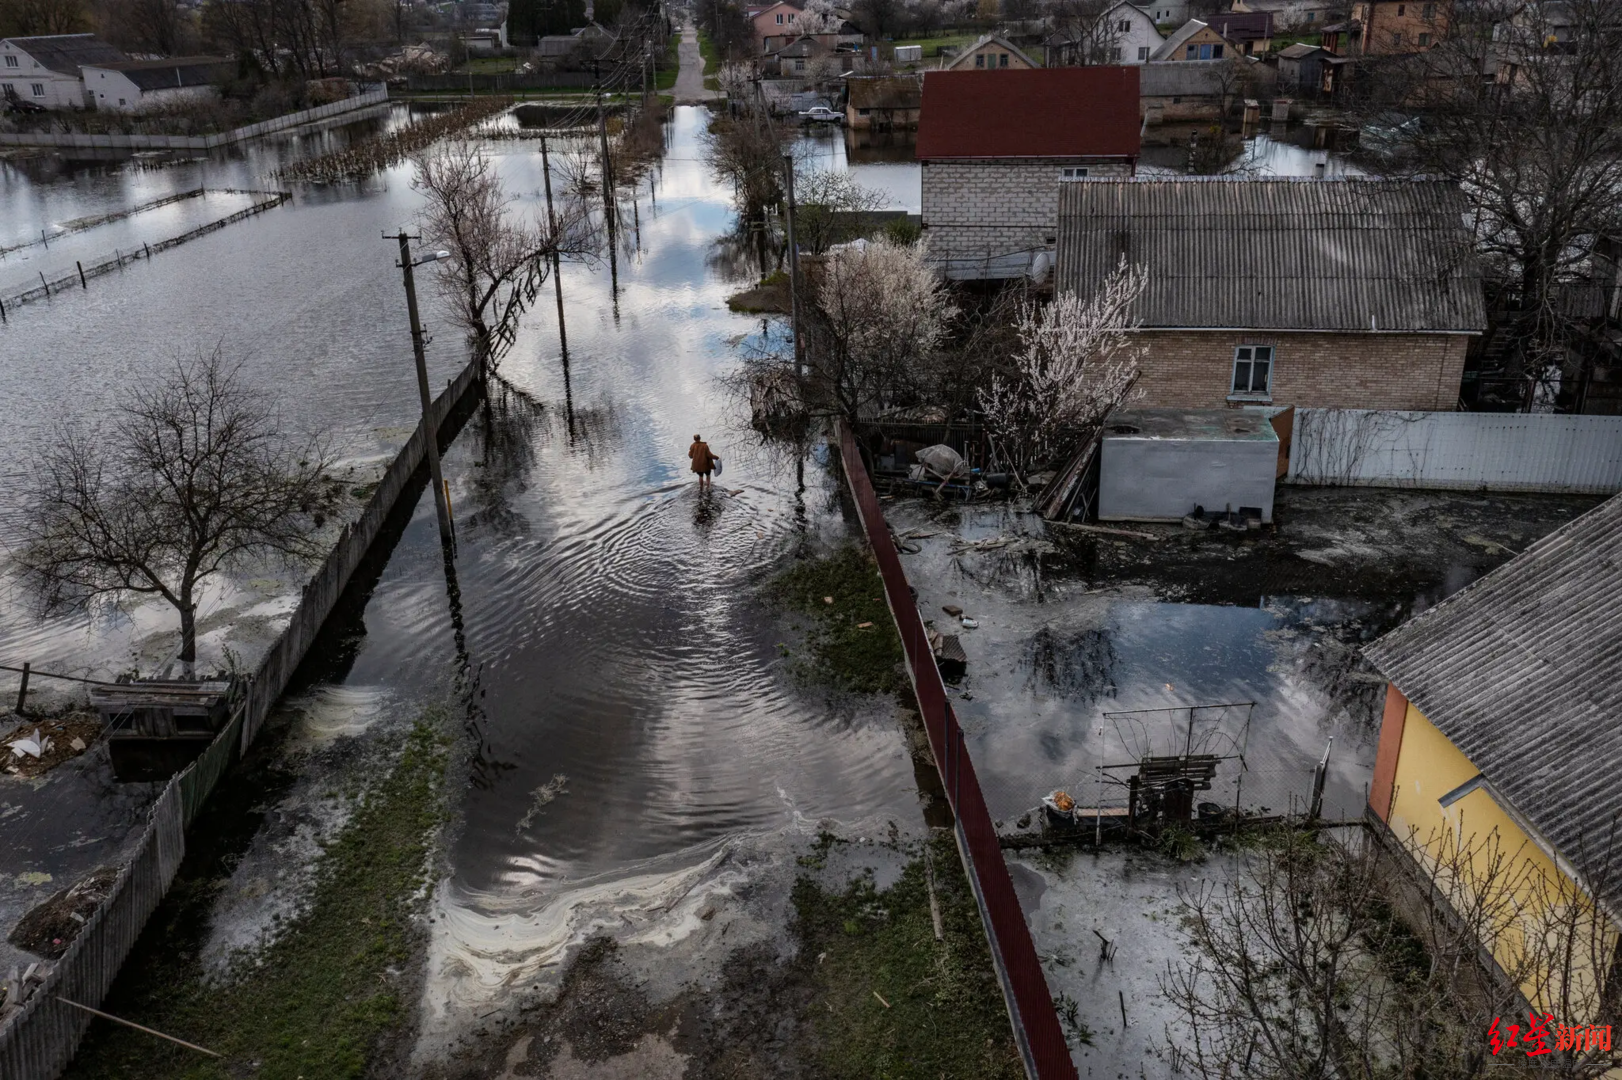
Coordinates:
(1457, 450)
(38, 1041)
(1025, 988)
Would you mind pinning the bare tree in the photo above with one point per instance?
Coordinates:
(1081, 35)
(747, 150)
(1076, 362)
(1517, 103)
(498, 261)
(23, 18)
(195, 477)
(831, 207)
(1324, 958)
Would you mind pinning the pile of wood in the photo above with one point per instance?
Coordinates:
(372, 155)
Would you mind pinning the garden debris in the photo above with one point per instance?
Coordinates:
(36, 748)
(863, 625)
(827, 599)
(1008, 544)
(49, 928)
(952, 609)
(1108, 531)
(968, 623)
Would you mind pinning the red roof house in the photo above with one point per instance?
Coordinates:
(1045, 112)
(995, 148)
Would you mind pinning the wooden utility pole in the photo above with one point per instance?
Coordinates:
(793, 270)
(608, 200)
(552, 224)
(436, 480)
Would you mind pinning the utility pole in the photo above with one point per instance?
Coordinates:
(794, 270)
(608, 199)
(436, 479)
(552, 223)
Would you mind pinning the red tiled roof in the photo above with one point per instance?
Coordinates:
(1046, 112)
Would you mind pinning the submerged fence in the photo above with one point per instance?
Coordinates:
(1025, 988)
(38, 1041)
(48, 288)
(1457, 450)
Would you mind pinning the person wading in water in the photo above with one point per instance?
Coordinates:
(703, 459)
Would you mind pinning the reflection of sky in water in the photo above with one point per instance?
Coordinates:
(899, 181)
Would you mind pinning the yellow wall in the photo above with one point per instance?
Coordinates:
(1428, 767)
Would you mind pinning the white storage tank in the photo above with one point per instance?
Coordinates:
(1159, 464)
(909, 54)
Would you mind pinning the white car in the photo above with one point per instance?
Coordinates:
(822, 115)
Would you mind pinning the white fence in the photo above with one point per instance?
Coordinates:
(374, 96)
(1457, 450)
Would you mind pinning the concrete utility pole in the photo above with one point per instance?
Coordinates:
(608, 202)
(793, 270)
(436, 479)
(552, 223)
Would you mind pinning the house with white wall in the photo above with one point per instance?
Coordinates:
(46, 70)
(1123, 34)
(144, 85)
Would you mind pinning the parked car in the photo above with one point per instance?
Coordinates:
(822, 115)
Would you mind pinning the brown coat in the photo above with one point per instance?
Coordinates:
(702, 458)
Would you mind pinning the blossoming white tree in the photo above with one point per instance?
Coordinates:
(1075, 363)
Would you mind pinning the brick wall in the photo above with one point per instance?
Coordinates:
(975, 212)
(1194, 369)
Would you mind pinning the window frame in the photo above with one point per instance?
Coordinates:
(12, 61)
(1250, 355)
(1071, 173)
(1143, 53)
(37, 89)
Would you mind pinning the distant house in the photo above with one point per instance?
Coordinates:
(1172, 91)
(47, 70)
(1124, 34)
(883, 103)
(995, 153)
(1389, 28)
(778, 19)
(1301, 69)
(1342, 293)
(1302, 15)
(990, 53)
(1485, 688)
(1252, 32)
(1195, 40)
(795, 59)
(1167, 12)
(141, 85)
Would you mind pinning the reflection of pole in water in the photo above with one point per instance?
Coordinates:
(568, 399)
(557, 278)
(801, 519)
(636, 218)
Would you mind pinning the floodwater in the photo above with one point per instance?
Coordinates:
(631, 726)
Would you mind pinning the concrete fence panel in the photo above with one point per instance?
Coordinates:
(1457, 450)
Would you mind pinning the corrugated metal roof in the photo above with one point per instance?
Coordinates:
(1522, 671)
(1185, 78)
(1044, 112)
(66, 53)
(175, 72)
(1278, 253)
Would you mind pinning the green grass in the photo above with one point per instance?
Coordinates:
(489, 65)
(942, 1015)
(669, 64)
(711, 53)
(315, 1003)
(930, 44)
(1284, 41)
(852, 641)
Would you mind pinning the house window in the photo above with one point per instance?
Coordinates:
(1396, 38)
(1402, 9)
(780, 20)
(1073, 174)
(980, 60)
(1002, 59)
(1193, 51)
(1143, 53)
(1210, 52)
(1124, 26)
(11, 61)
(38, 89)
(1424, 41)
(1252, 371)
(791, 16)
(1428, 11)
(799, 65)
(863, 112)
(1312, 16)
(1115, 55)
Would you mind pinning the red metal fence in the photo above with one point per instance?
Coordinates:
(1025, 988)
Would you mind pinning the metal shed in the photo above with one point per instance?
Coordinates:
(1159, 464)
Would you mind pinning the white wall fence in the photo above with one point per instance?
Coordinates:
(375, 96)
(1460, 451)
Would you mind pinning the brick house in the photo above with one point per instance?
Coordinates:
(775, 21)
(1195, 40)
(1389, 27)
(996, 150)
(1340, 293)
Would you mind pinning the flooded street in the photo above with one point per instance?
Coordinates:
(635, 744)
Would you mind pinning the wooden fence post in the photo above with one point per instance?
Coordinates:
(22, 691)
